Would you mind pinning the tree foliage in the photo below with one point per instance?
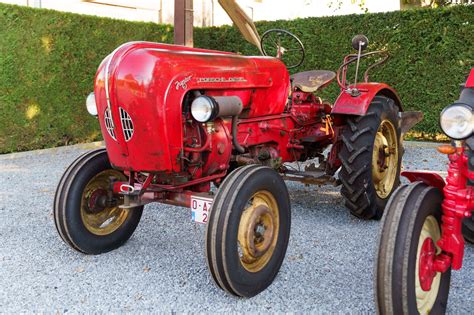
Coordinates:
(435, 3)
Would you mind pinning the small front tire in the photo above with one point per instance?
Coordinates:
(86, 214)
(248, 230)
(404, 278)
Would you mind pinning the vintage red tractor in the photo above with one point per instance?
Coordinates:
(421, 238)
(177, 119)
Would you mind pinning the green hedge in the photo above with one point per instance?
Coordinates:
(431, 51)
(48, 60)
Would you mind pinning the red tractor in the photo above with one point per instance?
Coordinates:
(425, 221)
(176, 120)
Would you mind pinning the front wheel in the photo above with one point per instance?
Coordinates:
(248, 230)
(87, 215)
(371, 157)
(405, 280)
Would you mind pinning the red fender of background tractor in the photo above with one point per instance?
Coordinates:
(358, 105)
(429, 178)
(470, 80)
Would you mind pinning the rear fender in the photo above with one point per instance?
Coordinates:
(429, 178)
(346, 104)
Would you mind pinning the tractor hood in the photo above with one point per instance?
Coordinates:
(141, 91)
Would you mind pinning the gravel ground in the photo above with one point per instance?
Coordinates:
(328, 267)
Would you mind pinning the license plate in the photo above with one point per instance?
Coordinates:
(200, 208)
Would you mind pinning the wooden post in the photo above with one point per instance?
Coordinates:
(183, 22)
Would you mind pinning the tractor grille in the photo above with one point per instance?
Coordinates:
(125, 119)
(109, 124)
(127, 124)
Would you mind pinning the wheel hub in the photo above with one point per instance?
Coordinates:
(99, 210)
(383, 152)
(426, 266)
(385, 159)
(258, 231)
(97, 201)
(427, 280)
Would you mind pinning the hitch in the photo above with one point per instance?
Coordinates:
(134, 194)
(409, 119)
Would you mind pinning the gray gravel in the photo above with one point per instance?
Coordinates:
(328, 268)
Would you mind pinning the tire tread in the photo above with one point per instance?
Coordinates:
(356, 157)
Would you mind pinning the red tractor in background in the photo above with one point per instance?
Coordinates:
(421, 238)
(177, 119)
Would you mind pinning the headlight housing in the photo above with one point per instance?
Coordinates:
(457, 121)
(90, 104)
(204, 108)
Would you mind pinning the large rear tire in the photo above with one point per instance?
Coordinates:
(87, 216)
(248, 230)
(404, 280)
(371, 159)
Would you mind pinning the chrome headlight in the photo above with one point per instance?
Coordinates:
(90, 104)
(204, 109)
(457, 121)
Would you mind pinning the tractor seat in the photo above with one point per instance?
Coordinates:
(311, 81)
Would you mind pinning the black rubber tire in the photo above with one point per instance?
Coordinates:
(67, 203)
(356, 156)
(399, 235)
(468, 229)
(221, 233)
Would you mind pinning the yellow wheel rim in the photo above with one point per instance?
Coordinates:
(258, 231)
(426, 299)
(99, 215)
(385, 159)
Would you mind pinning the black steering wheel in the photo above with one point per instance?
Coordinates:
(283, 45)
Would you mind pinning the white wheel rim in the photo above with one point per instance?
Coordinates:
(426, 299)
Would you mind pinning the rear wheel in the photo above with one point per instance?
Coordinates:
(468, 229)
(248, 230)
(371, 158)
(405, 280)
(86, 213)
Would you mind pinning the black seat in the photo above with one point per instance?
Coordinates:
(311, 81)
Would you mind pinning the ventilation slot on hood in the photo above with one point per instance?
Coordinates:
(127, 124)
(109, 124)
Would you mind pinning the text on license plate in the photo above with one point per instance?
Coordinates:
(200, 208)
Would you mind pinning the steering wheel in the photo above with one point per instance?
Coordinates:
(284, 46)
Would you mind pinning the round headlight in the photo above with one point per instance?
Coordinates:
(457, 121)
(90, 104)
(204, 108)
